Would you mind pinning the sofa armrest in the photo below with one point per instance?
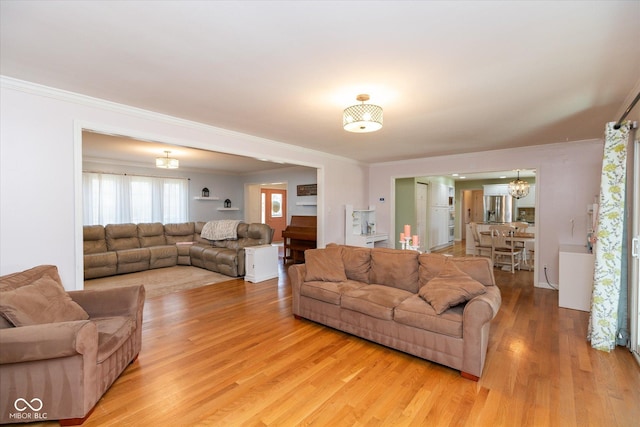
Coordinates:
(476, 322)
(297, 273)
(48, 341)
(127, 301)
(483, 308)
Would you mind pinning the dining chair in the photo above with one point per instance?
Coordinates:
(503, 249)
(521, 227)
(479, 244)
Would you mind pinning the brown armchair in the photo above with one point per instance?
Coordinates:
(59, 370)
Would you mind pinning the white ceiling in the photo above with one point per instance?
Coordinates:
(114, 149)
(452, 77)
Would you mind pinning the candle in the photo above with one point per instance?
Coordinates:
(407, 230)
(402, 237)
(415, 240)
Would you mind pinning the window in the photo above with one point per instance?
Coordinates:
(120, 199)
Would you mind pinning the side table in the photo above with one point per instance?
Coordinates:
(261, 263)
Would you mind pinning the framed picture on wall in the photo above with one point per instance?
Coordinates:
(307, 190)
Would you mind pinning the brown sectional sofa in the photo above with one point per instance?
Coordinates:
(435, 307)
(60, 351)
(127, 248)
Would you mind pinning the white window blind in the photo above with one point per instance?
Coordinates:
(119, 199)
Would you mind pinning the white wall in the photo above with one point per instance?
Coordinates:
(41, 163)
(568, 178)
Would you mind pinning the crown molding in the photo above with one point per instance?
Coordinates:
(85, 100)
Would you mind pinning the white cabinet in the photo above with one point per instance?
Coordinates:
(439, 227)
(576, 277)
(439, 194)
(360, 227)
(528, 201)
(496, 190)
(441, 213)
(261, 263)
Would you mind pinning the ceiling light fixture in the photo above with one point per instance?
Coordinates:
(519, 188)
(167, 162)
(361, 118)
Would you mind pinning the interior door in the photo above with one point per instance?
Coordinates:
(477, 209)
(274, 211)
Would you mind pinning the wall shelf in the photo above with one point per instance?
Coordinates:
(306, 204)
(206, 198)
(228, 209)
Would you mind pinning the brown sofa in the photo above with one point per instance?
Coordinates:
(432, 306)
(60, 351)
(127, 248)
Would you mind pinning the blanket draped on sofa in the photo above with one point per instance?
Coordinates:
(223, 229)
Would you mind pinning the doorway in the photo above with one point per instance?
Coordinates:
(274, 210)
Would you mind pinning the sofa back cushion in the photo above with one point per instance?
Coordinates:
(121, 236)
(94, 239)
(478, 268)
(151, 234)
(182, 232)
(324, 265)
(394, 267)
(197, 238)
(357, 263)
(253, 234)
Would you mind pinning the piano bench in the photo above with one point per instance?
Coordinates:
(296, 251)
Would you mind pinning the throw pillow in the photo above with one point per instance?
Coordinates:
(324, 264)
(450, 288)
(43, 301)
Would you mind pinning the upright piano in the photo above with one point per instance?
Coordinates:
(300, 235)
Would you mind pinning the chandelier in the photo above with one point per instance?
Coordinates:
(361, 118)
(518, 188)
(167, 162)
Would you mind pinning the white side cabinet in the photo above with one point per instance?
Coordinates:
(360, 227)
(576, 277)
(261, 263)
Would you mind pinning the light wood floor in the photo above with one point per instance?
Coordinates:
(232, 354)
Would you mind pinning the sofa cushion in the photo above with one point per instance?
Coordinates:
(416, 312)
(395, 268)
(121, 236)
(93, 237)
(450, 288)
(182, 232)
(328, 291)
(151, 234)
(357, 263)
(163, 256)
(324, 264)
(478, 268)
(43, 301)
(374, 300)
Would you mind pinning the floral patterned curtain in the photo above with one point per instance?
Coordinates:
(603, 324)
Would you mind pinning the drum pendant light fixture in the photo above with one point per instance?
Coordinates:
(361, 118)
